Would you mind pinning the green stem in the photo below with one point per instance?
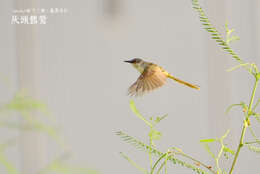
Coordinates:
(156, 163)
(150, 154)
(160, 168)
(196, 161)
(165, 163)
(245, 125)
(238, 148)
(249, 112)
(218, 157)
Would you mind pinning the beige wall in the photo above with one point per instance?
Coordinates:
(75, 64)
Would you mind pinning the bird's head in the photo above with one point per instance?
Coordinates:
(138, 63)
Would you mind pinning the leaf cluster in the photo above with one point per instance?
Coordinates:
(29, 113)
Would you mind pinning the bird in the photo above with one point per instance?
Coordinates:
(152, 77)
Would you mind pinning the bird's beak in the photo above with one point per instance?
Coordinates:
(128, 61)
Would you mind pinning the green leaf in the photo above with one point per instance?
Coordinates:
(253, 148)
(258, 75)
(253, 142)
(25, 104)
(154, 134)
(207, 140)
(226, 149)
(225, 135)
(238, 66)
(213, 31)
(158, 119)
(22, 102)
(137, 113)
(230, 38)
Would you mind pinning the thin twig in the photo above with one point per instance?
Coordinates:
(245, 125)
(195, 160)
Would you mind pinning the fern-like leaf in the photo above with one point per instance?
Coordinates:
(142, 146)
(214, 32)
(253, 148)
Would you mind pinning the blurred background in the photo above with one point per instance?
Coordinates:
(74, 65)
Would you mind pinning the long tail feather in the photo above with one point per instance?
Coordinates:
(184, 83)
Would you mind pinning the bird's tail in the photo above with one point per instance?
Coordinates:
(184, 83)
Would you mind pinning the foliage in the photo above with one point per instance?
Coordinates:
(29, 112)
(149, 149)
(223, 149)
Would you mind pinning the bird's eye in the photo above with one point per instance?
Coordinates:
(136, 61)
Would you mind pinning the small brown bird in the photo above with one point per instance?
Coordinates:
(152, 77)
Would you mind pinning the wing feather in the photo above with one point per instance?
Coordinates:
(152, 78)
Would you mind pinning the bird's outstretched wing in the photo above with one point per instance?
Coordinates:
(153, 77)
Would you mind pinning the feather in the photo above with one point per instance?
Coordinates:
(152, 78)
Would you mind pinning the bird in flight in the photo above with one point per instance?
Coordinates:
(152, 77)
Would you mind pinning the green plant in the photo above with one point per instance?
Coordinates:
(28, 113)
(248, 111)
(170, 155)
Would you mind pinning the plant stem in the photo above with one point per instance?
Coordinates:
(252, 98)
(156, 163)
(160, 168)
(196, 161)
(165, 163)
(150, 154)
(245, 125)
(238, 148)
(218, 157)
